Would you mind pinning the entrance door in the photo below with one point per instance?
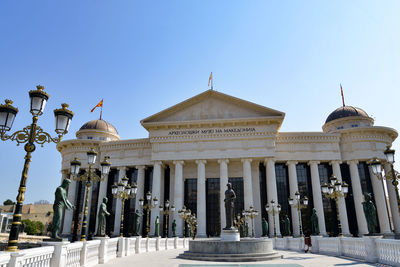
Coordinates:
(212, 207)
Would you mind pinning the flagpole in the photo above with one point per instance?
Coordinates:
(101, 111)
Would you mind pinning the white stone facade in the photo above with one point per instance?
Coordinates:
(213, 135)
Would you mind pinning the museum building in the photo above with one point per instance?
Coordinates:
(196, 147)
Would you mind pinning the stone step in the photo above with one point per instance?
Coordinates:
(197, 254)
(228, 258)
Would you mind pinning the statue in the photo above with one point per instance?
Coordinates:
(246, 230)
(174, 228)
(370, 213)
(101, 217)
(264, 224)
(60, 202)
(157, 227)
(230, 197)
(241, 230)
(187, 229)
(137, 215)
(285, 226)
(314, 223)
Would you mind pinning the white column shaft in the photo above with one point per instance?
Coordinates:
(358, 198)
(201, 198)
(317, 196)
(341, 202)
(223, 180)
(293, 188)
(156, 188)
(247, 187)
(118, 207)
(272, 194)
(140, 191)
(178, 196)
(394, 208)
(380, 201)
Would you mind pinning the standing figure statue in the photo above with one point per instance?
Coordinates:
(314, 223)
(246, 230)
(60, 202)
(137, 215)
(264, 227)
(230, 197)
(157, 227)
(286, 226)
(174, 228)
(370, 213)
(101, 229)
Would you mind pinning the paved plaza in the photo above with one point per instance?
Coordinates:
(290, 259)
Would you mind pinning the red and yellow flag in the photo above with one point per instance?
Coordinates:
(209, 80)
(100, 104)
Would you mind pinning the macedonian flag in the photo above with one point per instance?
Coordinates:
(100, 104)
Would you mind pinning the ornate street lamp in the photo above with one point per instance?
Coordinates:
(148, 207)
(299, 204)
(30, 135)
(185, 215)
(88, 177)
(393, 175)
(335, 190)
(251, 213)
(241, 220)
(166, 211)
(192, 221)
(123, 191)
(273, 209)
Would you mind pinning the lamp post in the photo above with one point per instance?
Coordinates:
(335, 190)
(273, 209)
(30, 135)
(193, 224)
(148, 207)
(299, 204)
(185, 215)
(393, 175)
(240, 221)
(166, 211)
(89, 177)
(251, 213)
(123, 191)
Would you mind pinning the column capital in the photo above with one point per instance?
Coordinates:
(157, 162)
(270, 159)
(291, 162)
(223, 161)
(312, 162)
(122, 168)
(201, 161)
(335, 162)
(178, 162)
(353, 161)
(141, 167)
(246, 160)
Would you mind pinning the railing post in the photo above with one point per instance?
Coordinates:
(176, 242)
(137, 247)
(121, 247)
(84, 254)
(157, 243)
(59, 258)
(315, 243)
(371, 248)
(103, 257)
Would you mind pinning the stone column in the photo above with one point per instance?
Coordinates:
(247, 187)
(341, 202)
(358, 197)
(223, 180)
(118, 207)
(317, 196)
(156, 187)
(393, 200)
(293, 188)
(272, 194)
(201, 198)
(380, 202)
(178, 195)
(69, 214)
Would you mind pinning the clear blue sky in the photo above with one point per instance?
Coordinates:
(142, 57)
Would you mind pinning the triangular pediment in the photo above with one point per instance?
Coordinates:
(212, 106)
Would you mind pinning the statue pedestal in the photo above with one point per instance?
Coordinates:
(230, 235)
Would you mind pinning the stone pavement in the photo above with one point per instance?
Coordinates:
(168, 259)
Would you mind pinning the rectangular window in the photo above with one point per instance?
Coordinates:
(190, 199)
(282, 185)
(331, 223)
(305, 189)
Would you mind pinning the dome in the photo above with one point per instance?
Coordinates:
(346, 111)
(99, 125)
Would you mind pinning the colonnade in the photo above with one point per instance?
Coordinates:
(177, 196)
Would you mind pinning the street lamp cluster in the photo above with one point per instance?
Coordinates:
(166, 211)
(148, 207)
(189, 220)
(30, 135)
(123, 191)
(335, 190)
(251, 213)
(299, 203)
(273, 209)
(89, 177)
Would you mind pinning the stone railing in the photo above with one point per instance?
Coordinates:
(90, 253)
(368, 248)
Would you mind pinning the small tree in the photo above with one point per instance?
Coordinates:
(30, 227)
(8, 202)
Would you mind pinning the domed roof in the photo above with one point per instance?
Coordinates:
(346, 111)
(99, 125)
